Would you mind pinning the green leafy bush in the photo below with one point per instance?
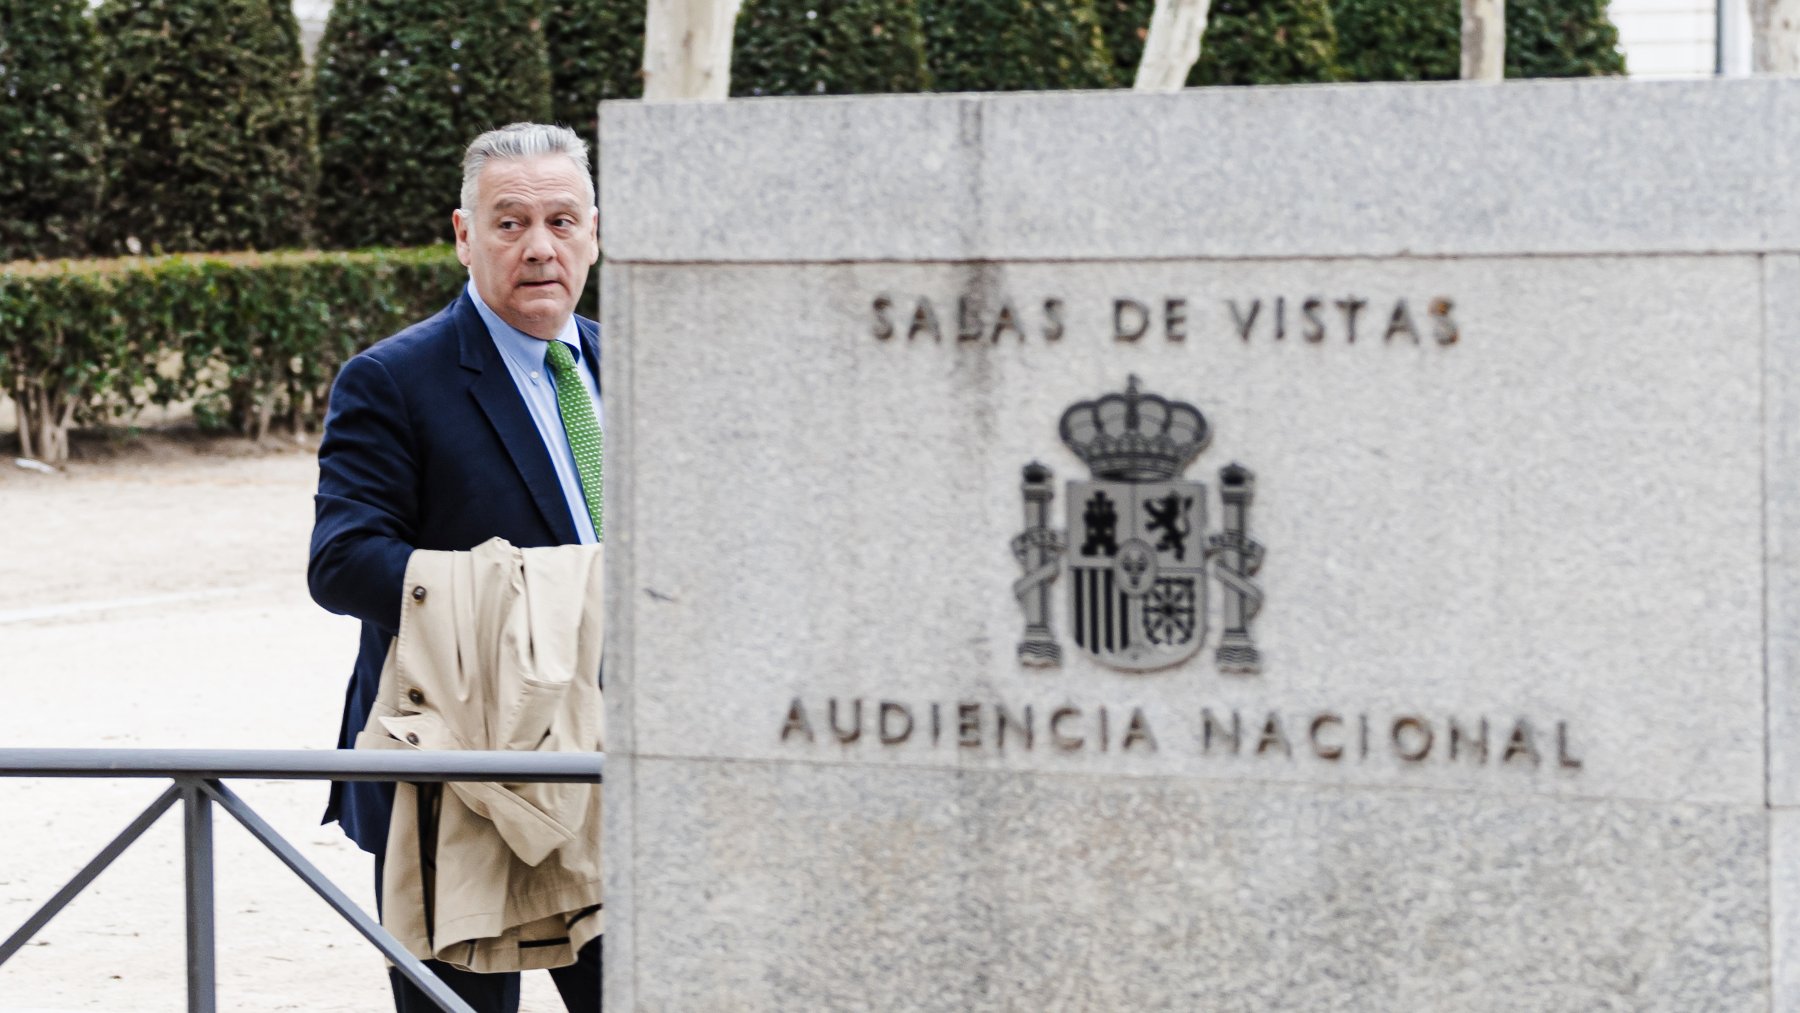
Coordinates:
(49, 128)
(1015, 45)
(402, 89)
(1126, 24)
(209, 129)
(1267, 42)
(1561, 38)
(828, 47)
(254, 337)
(596, 53)
(1399, 40)
(1421, 40)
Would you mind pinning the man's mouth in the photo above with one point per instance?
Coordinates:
(537, 284)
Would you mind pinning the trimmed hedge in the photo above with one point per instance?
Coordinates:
(828, 47)
(1267, 42)
(596, 53)
(249, 337)
(209, 130)
(1127, 25)
(50, 133)
(1421, 40)
(1399, 40)
(402, 90)
(1561, 38)
(1015, 45)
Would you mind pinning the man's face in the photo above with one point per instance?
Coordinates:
(529, 241)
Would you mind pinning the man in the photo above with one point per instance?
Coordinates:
(481, 421)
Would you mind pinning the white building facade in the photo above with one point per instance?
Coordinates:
(1683, 38)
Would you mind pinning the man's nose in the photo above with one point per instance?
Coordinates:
(538, 245)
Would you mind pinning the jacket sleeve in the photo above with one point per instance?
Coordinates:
(366, 519)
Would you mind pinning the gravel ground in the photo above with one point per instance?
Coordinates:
(153, 595)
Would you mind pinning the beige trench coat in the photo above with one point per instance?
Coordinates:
(499, 648)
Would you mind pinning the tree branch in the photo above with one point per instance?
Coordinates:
(687, 49)
(1172, 46)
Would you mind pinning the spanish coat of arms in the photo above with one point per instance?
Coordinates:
(1137, 551)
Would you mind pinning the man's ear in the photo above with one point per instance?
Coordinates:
(459, 224)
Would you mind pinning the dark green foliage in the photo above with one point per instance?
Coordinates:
(828, 47)
(596, 53)
(208, 126)
(258, 337)
(1267, 42)
(1399, 40)
(272, 334)
(1561, 38)
(302, 140)
(1015, 45)
(49, 128)
(1420, 40)
(1126, 23)
(403, 87)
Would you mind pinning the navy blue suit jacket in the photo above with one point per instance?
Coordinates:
(428, 445)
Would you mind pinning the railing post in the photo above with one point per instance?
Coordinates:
(197, 813)
(197, 776)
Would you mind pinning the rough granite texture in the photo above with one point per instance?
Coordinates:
(1784, 908)
(1781, 283)
(1612, 166)
(1582, 511)
(619, 814)
(800, 887)
(1558, 517)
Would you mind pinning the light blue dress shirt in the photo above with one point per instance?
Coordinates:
(524, 358)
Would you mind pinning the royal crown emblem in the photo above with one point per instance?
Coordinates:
(1137, 553)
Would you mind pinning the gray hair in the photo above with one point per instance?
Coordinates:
(522, 140)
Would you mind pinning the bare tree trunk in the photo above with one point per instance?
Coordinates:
(44, 424)
(1775, 26)
(26, 419)
(55, 438)
(687, 49)
(1172, 45)
(1483, 40)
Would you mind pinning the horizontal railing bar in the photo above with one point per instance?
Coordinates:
(306, 764)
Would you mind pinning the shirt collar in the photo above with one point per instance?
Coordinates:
(517, 343)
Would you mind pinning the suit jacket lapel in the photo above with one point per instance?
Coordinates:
(493, 389)
(590, 348)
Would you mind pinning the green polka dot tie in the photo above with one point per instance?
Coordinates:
(580, 425)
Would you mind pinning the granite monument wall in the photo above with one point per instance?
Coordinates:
(1299, 548)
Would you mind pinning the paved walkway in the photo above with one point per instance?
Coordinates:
(159, 599)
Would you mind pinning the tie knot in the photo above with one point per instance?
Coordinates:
(558, 357)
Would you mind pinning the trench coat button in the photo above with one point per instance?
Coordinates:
(415, 696)
(412, 737)
(419, 593)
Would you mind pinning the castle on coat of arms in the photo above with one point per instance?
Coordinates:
(1137, 554)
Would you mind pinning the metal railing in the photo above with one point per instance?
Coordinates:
(197, 781)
